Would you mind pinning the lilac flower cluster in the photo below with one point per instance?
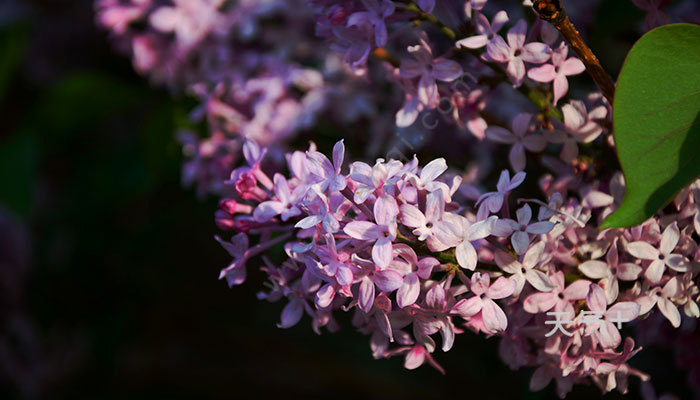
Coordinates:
(411, 251)
(258, 76)
(260, 73)
(248, 64)
(400, 248)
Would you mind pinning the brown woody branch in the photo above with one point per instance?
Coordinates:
(553, 12)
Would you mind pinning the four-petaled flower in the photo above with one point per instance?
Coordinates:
(377, 12)
(525, 271)
(610, 271)
(662, 257)
(493, 317)
(486, 32)
(520, 139)
(522, 229)
(493, 201)
(557, 71)
(383, 232)
(328, 175)
(559, 297)
(429, 70)
(413, 270)
(430, 225)
(516, 53)
(604, 329)
(283, 206)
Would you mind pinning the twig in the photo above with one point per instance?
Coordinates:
(553, 12)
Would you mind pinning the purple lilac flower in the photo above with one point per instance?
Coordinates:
(516, 52)
(557, 71)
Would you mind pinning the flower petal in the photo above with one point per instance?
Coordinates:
(539, 302)
(643, 250)
(466, 255)
(501, 288)
(544, 73)
(388, 280)
(366, 295)
(577, 290)
(446, 70)
(433, 169)
(409, 291)
(670, 311)
(596, 299)
(411, 216)
(382, 252)
(291, 314)
(595, 269)
(669, 239)
(468, 307)
(655, 271)
(539, 280)
(493, 316)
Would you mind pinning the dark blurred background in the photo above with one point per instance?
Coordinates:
(108, 267)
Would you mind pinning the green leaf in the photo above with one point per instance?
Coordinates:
(656, 117)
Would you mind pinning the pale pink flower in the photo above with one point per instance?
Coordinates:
(610, 271)
(427, 179)
(525, 271)
(516, 53)
(189, 20)
(520, 139)
(493, 317)
(324, 172)
(559, 297)
(320, 210)
(383, 232)
(493, 201)
(335, 264)
(406, 262)
(429, 226)
(417, 356)
(522, 229)
(235, 273)
(434, 316)
(468, 108)
(557, 71)
(662, 257)
(429, 70)
(284, 206)
(378, 179)
(663, 299)
(604, 329)
(579, 126)
(486, 32)
(470, 232)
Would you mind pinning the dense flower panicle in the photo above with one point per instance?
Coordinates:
(420, 251)
(413, 265)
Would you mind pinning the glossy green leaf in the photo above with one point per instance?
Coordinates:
(656, 118)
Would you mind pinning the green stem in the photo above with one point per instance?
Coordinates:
(411, 6)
